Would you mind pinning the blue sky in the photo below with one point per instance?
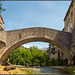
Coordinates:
(26, 14)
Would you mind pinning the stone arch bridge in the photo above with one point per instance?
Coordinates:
(10, 40)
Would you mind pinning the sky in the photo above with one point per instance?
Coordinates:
(26, 14)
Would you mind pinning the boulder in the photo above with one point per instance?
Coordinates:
(10, 67)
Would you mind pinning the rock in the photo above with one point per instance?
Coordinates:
(10, 67)
(74, 71)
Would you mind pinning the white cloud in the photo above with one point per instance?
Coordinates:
(27, 46)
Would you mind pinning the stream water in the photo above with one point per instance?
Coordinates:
(43, 70)
(46, 70)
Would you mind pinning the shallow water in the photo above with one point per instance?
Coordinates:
(45, 70)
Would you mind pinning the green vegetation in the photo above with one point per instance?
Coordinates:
(26, 71)
(34, 57)
(1, 9)
(56, 62)
(15, 72)
(0, 67)
(9, 73)
(20, 35)
(28, 57)
(68, 70)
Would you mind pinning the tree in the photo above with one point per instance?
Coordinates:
(20, 56)
(1, 9)
(31, 56)
(39, 57)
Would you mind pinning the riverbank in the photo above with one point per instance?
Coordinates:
(16, 71)
(41, 70)
(65, 69)
(57, 70)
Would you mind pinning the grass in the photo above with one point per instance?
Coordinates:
(26, 71)
(0, 66)
(68, 70)
(9, 73)
(15, 72)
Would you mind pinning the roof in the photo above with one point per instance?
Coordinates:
(1, 18)
(68, 10)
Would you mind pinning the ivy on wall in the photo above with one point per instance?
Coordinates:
(20, 35)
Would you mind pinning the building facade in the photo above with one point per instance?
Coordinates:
(55, 52)
(69, 20)
(69, 26)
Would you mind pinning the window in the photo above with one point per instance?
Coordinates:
(68, 29)
(71, 24)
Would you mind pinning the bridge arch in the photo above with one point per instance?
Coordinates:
(33, 39)
(2, 46)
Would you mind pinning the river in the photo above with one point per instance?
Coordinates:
(43, 70)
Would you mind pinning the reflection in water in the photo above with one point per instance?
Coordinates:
(45, 70)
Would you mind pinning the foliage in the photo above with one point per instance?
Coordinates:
(39, 57)
(9, 73)
(20, 56)
(1, 9)
(20, 35)
(26, 71)
(68, 70)
(56, 62)
(31, 56)
(15, 72)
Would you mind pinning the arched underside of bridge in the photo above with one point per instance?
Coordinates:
(35, 39)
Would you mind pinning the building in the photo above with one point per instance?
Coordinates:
(55, 52)
(69, 20)
(69, 26)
